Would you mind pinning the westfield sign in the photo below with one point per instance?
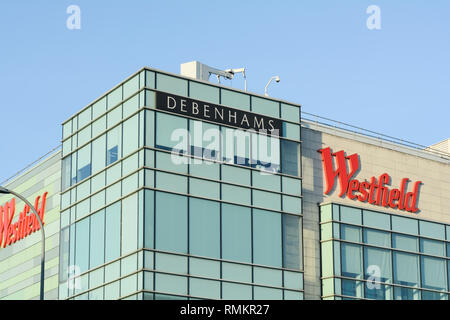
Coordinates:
(26, 224)
(374, 192)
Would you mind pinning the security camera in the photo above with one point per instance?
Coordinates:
(276, 78)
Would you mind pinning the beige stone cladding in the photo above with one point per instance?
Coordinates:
(375, 158)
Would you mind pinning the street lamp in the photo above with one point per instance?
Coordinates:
(277, 79)
(6, 191)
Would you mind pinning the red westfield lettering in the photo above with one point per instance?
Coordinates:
(375, 192)
(25, 225)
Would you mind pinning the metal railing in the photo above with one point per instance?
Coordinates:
(371, 134)
(30, 165)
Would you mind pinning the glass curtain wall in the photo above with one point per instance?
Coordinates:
(372, 255)
(146, 214)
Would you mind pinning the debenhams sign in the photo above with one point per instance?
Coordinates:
(217, 113)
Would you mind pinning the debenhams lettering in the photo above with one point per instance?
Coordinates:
(217, 113)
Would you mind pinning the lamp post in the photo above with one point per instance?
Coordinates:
(277, 79)
(6, 191)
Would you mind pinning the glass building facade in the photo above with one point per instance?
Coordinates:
(145, 215)
(373, 255)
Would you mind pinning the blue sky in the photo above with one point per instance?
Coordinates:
(395, 80)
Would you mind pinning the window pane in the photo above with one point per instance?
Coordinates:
(406, 269)
(171, 132)
(291, 131)
(352, 288)
(64, 255)
(82, 245)
(351, 260)
(74, 168)
(99, 126)
(84, 163)
(171, 263)
(432, 230)
(113, 173)
(292, 186)
(171, 222)
(205, 169)
(267, 238)
(204, 268)
(130, 135)
(236, 175)
(406, 225)
(262, 293)
(84, 136)
(112, 245)
(377, 263)
(433, 273)
(113, 149)
(433, 247)
(114, 97)
(266, 107)
(98, 154)
(350, 233)
(429, 295)
(149, 219)
(204, 288)
(291, 113)
(205, 140)
(231, 291)
(235, 99)
(378, 238)
(171, 162)
(235, 194)
(130, 164)
(129, 224)
(171, 84)
(236, 233)
(99, 108)
(97, 252)
(351, 215)
(204, 228)
(405, 242)
(266, 181)
(66, 147)
(171, 284)
(202, 188)
(293, 280)
(265, 152)
(236, 272)
(401, 293)
(267, 200)
(236, 146)
(203, 92)
(376, 220)
(290, 154)
(65, 172)
(128, 285)
(171, 182)
(292, 242)
(114, 116)
(292, 204)
(84, 117)
(67, 129)
(131, 86)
